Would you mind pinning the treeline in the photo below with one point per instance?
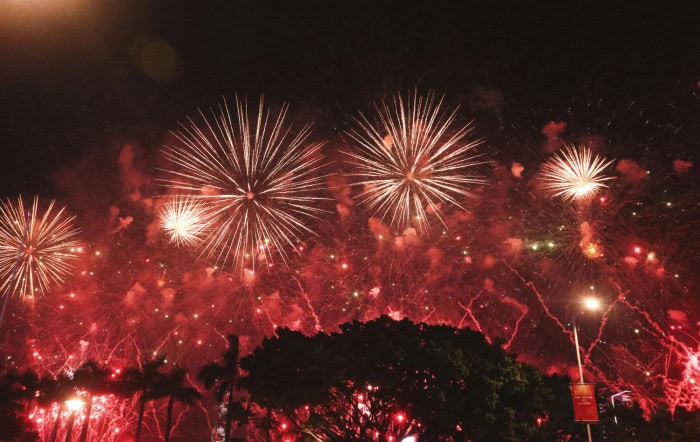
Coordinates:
(381, 380)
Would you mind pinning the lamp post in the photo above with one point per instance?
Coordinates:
(589, 304)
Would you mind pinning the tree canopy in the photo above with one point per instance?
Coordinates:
(393, 379)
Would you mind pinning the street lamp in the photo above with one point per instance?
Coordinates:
(592, 304)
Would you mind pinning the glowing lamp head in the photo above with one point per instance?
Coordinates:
(74, 404)
(591, 303)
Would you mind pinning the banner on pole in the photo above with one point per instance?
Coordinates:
(585, 407)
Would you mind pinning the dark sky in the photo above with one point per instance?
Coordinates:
(79, 75)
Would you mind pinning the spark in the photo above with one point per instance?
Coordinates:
(574, 173)
(414, 160)
(258, 182)
(184, 220)
(41, 244)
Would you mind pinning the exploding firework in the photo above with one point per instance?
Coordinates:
(415, 160)
(258, 182)
(574, 174)
(38, 248)
(184, 220)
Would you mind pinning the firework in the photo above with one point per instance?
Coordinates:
(184, 220)
(574, 174)
(414, 160)
(258, 181)
(41, 248)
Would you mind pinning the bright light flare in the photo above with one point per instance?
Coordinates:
(259, 183)
(574, 173)
(413, 160)
(43, 244)
(591, 303)
(184, 220)
(75, 404)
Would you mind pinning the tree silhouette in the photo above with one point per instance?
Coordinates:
(396, 378)
(173, 387)
(92, 379)
(55, 390)
(17, 391)
(223, 377)
(142, 380)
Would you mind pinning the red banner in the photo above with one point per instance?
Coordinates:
(585, 408)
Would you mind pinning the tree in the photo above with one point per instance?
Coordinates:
(17, 391)
(173, 387)
(396, 378)
(142, 380)
(223, 376)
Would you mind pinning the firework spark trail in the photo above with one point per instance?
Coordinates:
(200, 404)
(221, 335)
(523, 312)
(259, 183)
(574, 173)
(593, 368)
(428, 315)
(165, 340)
(461, 321)
(317, 321)
(540, 298)
(654, 324)
(685, 392)
(416, 159)
(261, 309)
(47, 252)
(604, 320)
(468, 310)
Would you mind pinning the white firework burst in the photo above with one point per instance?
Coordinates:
(39, 248)
(413, 161)
(258, 182)
(184, 220)
(574, 173)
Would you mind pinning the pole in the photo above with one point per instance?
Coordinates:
(580, 373)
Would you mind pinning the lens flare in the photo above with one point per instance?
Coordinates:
(42, 245)
(413, 161)
(574, 174)
(184, 220)
(259, 182)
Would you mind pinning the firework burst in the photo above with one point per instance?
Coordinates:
(258, 182)
(413, 161)
(574, 174)
(184, 220)
(41, 248)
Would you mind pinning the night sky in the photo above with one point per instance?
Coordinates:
(90, 92)
(73, 76)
